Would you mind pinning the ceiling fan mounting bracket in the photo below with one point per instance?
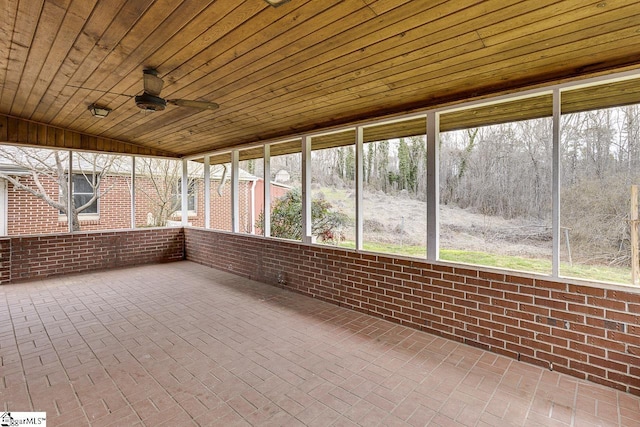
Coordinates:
(150, 99)
(149, 102)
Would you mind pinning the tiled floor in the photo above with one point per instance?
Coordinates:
(180, 344)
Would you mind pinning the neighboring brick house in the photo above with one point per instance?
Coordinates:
(22, 213)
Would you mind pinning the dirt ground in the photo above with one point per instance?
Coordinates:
(402, 220)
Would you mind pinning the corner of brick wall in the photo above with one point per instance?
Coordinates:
(5, 260)
(585, 331)
(33, 257)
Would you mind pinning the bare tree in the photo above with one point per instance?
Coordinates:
(47, 166)
(161, 185)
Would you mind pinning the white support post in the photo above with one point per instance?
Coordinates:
(235, 191)
(185, 193)
(133, 191)
(207, 191)
(266, 213)
(306, 190)
(70, 193)
(433, 186)
(555, 260)
(359, 187)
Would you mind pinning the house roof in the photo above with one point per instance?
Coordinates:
(303, 66)
(17, 161)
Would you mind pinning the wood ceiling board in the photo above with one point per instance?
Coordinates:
(24, 29)
(284, 148)
(169, 63)
(459, 66)
(51, 18)
(279, 149)
(196, 64)
(102, 34)
(64, 25)
(303, 66)
(597, 97)
(7, 23)
(322, 37)
(340, 82)
(202, 49)
(333, 140)
(400, 129)
(25, 132)
(332, 63)
(246, 69)
(285, 107)
(220, 159)
(253, 153)
(289, 66)
(537, 21)
(469, 62)
(315, 101)
(121, 70)
(505, 112)
(323, 96)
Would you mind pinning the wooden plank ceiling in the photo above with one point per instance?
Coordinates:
(303, 66)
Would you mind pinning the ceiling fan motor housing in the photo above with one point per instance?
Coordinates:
(148, 102)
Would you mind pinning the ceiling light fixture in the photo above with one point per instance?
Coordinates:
(276, 3)
(100, 112)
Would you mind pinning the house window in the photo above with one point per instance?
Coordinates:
(191, 196)
(83, 190)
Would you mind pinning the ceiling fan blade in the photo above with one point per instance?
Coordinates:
(202, 105)
(152, 83)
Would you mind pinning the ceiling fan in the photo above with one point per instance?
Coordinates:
(150, 99)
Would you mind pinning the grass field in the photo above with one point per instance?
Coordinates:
(461, 219)
(532, 265)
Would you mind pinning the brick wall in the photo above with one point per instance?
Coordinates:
(29, 215)
(33, 257)
(589, 332)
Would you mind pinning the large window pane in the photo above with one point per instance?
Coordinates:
(600, 163)
(157, 189)
(333, 189)
(220, 195)
(394, 198)
(495, 187)
(101, 185)
(33, 190)
(286, 190)
(250, 191)
(195, 195)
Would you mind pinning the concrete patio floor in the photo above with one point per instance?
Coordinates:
(182, 344)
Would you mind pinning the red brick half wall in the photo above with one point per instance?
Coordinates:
(33, 257)
(590, 332)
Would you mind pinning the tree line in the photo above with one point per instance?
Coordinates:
(506, 170)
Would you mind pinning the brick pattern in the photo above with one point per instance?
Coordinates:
(5, 260)
(31, 257)
(27, 214)
(588, 332)
(182, 344)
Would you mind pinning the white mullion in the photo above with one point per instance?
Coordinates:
(70, 193)
(185, 192)
(207, 192)
(306, 190)
(266, 213)
(433, 186)
(555, 210)
(235, 190)
(133, 192)
(359, 187)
